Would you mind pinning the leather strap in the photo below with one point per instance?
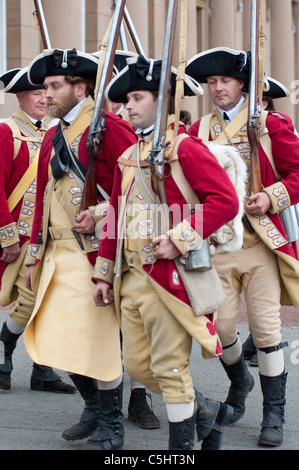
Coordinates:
(23, 184)
(16, 126)
(274, 348)
(133, 163)
(234, 126)
(78, 127)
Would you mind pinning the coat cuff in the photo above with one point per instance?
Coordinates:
(184, 237)
(31, 255)
(99, 211)
(103, 270)
(279, 197)
(9, 235)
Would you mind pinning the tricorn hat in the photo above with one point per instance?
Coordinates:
(218, 61)
(120, 59)
(274, 89)
(16, 80)
(62, 62)
(141, 73)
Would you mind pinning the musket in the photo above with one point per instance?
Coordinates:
(133, 34)
(94, 137)
(40, 22)
(156, 157)
(127, 22)
(254, 107)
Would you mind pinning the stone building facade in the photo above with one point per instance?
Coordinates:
(211, 23)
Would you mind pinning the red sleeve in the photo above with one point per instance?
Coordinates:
(117, 136)
(193, 130)
(11, 171)
(285, 151)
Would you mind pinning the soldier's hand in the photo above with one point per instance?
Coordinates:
(101, 294)
(84, 222)
(11, 253)
(165, 248)
(28, 277)
(258, 204)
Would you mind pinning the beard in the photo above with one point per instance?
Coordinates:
(59, 109)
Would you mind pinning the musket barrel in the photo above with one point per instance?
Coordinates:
(108, 63)
(165, 84)
(93, 142)
(133, 33)
(45, 38)
(157, 154)
(253, 59)
(124, 42)
(254, 108)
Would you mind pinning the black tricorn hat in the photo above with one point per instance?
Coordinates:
(141, 73)
(273, 88)
(218, 61)
(120, 59)
(62, 62)
(16, 80)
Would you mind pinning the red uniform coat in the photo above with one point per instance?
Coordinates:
(214, 190)
(285, 151)
(11, 171)
(117, 136)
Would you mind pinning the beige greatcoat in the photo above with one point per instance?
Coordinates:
(67, 331)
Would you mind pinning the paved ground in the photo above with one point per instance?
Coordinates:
(35, 420)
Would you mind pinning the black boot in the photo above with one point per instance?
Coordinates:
(181, 435)
(139, 411)
(109, 434)
(213, 441)
(211, 417)
(273, 389)
(89, 418)
(242, 383)
(248, 348)
(6, 366)
(45, 379)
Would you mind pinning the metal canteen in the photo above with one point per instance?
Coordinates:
(200, 258)
(289, 218)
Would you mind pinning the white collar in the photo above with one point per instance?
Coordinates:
(232, 113)
(148, 130)
(32, 119)
(71, 115)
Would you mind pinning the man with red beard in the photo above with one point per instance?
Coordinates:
(20, 141)
(66, 329)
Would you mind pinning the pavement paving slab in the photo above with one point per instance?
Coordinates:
(31, 420)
